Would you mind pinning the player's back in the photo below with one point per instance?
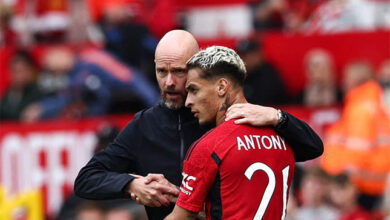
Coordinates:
(256, 167)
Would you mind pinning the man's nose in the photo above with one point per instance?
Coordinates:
(188, 102)
(170, 80)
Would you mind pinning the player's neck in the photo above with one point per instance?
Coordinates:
(230, 99)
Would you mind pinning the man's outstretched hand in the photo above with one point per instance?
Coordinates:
(154, 190)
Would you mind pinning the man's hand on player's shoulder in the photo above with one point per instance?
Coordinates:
(255, 115)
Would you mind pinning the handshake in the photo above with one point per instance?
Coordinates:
(153, 190)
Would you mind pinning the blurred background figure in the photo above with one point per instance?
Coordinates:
(385, 206)
(359, 142)
(313, 193)
(125, 211)
(86, 84)
(57, 64)
(106, 133)
(108, 210)
(119, 214)
(268, 14)
(7, 35)
(344, 195)
(384, 80)
(356, 73)
(263, 84)
(23, 89)
(320, 87)
(128, 38)
(90, 210)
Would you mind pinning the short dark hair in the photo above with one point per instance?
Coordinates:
(341, 180)
(23, 56)
(216, 61)
(246, 46)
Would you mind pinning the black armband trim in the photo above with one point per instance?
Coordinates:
(283, 119)
(216, 159)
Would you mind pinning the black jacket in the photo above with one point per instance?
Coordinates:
(156, 142)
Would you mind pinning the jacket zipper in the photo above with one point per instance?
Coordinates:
(181, 144)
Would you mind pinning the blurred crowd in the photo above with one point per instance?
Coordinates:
(98, 59)
(321, 16)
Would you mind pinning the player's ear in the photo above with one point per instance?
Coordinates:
(222, 86)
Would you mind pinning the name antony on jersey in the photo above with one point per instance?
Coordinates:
(249, 142)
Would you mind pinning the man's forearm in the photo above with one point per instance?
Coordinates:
(93, 182)
(180, 213)
(305, 142)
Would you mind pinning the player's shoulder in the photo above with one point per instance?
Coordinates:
(227, 128)
(218, 133)
(214, 136)
(224, 129)
(201, 146)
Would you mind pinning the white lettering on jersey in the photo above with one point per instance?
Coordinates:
(240, 144)
(257, 142)
(187, 189)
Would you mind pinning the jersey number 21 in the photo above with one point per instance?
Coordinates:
(269, 190)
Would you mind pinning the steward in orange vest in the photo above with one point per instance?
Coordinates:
(360, 142)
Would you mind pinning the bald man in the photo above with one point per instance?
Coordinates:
(145, 159)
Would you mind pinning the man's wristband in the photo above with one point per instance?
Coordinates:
(282, 116)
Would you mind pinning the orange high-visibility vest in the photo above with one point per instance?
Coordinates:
(360, 142)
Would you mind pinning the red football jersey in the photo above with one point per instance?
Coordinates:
(241, 172)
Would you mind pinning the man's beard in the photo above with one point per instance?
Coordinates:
(173, 103)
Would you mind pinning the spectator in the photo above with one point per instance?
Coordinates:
(356, 73)
(320, 88)
(7, 35)
(23, 89)
(106, 134)
(125, 210)
(314, 191)
(359, 142)
(384, 80)
(88, 82)
(119, 214)
(268, 14)
(128, 39)
(56, 63)
(263, 85)
(386, 201)
(343, 195)
(90, 210)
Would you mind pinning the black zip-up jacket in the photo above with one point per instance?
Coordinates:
(156, 141)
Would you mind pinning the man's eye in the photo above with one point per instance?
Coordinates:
(192, 90)
(161, 71)
(179, 71)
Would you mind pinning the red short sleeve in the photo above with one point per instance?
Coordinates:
(199, 172)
